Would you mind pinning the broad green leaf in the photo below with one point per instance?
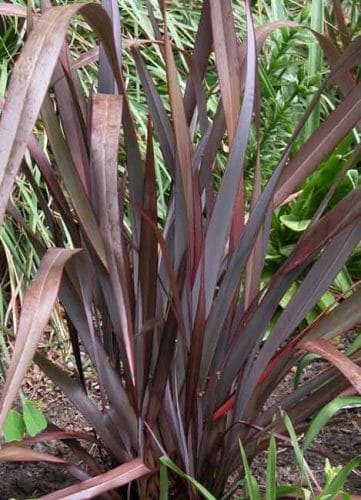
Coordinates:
(14, 427)
(288, 295)
(324, 415)
(294, 224)
(286, 250)
(34, 420)
(326, 301)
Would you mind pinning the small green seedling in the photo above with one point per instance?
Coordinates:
(31, 421)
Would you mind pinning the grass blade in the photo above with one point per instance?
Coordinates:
(324, 415)
(172, 466)
(252, 487)
(163, 483)
(298, 452)
(271, 484)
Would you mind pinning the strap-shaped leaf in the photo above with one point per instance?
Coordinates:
(325, 414)
(130, 471)
(72, 180)
(345, 365)
(106, 120)
(77, 396)
(219, 226)
(15, 453)
(227, 61)
(184, 149)
(107, 82)
(220, 222)
(7, 9)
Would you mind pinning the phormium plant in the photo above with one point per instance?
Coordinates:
(172, 313)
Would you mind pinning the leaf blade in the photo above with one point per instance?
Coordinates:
(125, 473)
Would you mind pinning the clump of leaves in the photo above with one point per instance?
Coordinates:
(173, 316)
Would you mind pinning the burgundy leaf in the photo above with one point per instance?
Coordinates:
(95, 486)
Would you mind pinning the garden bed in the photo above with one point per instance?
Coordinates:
(340, 441)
